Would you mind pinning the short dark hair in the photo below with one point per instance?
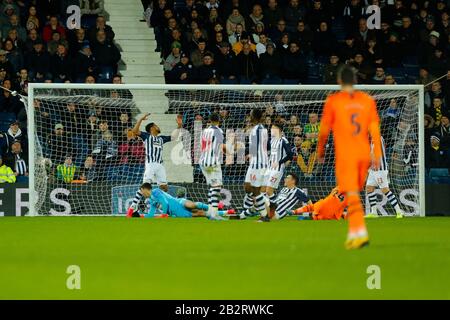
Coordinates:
(149, 126)
(146, 185)
(256, 114)
(347, 75)
(294, 176)
(214, 117)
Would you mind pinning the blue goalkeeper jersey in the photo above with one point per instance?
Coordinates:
(162, 202)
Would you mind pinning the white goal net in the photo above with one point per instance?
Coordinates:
(85, 158)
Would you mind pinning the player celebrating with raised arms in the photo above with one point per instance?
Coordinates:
(352, 116)
(259, 161)
(280, 153)
(211, 158)
(154, 169)
(380, 179)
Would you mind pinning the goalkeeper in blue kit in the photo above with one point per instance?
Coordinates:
(164, 205)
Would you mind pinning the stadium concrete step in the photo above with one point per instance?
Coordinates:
(140, 57)
(136, 45)
(134, 36)
(143, 68)
(143, 80)
(126, 24)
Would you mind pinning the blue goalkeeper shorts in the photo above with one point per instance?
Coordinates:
(177, 208)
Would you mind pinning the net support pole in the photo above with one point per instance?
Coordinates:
(32, 153)
(422, 142)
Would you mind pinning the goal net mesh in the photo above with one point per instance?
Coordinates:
(88, 161)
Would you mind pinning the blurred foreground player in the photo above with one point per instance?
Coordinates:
(352, 116)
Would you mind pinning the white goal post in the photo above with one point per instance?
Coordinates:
(165, 101)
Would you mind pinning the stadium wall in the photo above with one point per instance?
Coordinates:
(14, 198)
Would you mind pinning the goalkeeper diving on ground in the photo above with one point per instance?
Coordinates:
(163, 205)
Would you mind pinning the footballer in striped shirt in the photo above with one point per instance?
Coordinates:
(259, 161)
(379, 178)
(288, 198)
(280, 153)
(211, 157)
(154, 169)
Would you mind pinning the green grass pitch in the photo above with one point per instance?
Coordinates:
(198, 259)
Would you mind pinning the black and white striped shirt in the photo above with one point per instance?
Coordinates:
(287, 199)
(211, 147)
(259, 158)
(280, 152)
(154, 147)
(383, 160)
(20, 165)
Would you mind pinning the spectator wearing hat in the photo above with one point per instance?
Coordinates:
(226, 65)
(8, 9)
(198, 54)
(429, 26)
(428, 48)
(59, 144)
(38, 62)
(324, 41)
(207, 70)
(84, 63)
(61, 65)
(107, 56)
(6, 173)
(53, 25)
(183, 72)
(14, 133)
(435, 156)
(247, 65)
(17, 159)
(330, 71)
(173, 58)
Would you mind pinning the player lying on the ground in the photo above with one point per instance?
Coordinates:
(288, 198)
(330, 208)
(163, 204)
